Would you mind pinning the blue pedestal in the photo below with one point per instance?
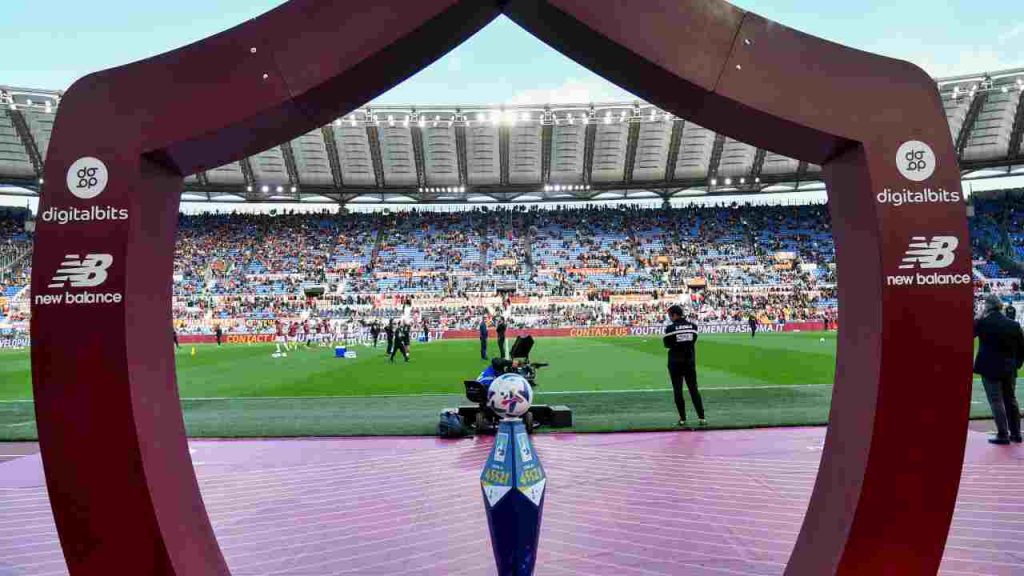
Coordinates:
(513, 483)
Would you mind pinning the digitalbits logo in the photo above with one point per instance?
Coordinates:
(87, 178)
(915, 160)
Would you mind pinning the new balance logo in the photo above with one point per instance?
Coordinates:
(85, 272)
(922, 253)
(934, 253)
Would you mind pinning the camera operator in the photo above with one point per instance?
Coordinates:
(680, 339)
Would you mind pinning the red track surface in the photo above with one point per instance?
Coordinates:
(707, 503)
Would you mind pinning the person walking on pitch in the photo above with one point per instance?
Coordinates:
(389, 333)
(375, 332)
(680, 339)
(401, 343)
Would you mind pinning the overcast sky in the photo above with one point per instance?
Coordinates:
(50, 43)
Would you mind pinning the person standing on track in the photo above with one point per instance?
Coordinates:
(680, 339)
(1000, 356)
(219, 332)
(753, 325)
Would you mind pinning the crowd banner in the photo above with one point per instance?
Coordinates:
(227, 339)
(647, 330)
(13, 342)
(562, 332)
(630, 298)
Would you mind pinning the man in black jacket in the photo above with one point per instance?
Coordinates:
(375, 332)
(483, 338)
(1000, 355)
(500, 328)
(680, 338)
(401, 344)
(389, 332)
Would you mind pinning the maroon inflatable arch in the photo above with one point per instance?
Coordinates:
(120, 479)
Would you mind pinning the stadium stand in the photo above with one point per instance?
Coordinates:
(584, 263)
(528, 153)
(574, 265)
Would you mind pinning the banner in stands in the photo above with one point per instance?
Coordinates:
(624, 331)
(15, 342)
(589, 271)
(228, 338)
(577, 332)
(633, 298)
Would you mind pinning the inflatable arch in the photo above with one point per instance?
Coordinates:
(124, 139)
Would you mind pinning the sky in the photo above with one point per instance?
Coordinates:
(48, 44)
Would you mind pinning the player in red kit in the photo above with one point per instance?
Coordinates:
(279, 339)
(293, 333)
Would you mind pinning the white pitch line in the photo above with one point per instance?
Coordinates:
(434, 394)
(706, 389)
(25, 423)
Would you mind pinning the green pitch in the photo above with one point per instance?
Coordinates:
(611, 384)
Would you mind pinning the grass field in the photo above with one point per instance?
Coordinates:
(610, 383)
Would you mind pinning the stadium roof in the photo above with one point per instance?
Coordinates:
(438, 154)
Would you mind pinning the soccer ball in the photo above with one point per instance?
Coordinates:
(509, 395)
(821, 340)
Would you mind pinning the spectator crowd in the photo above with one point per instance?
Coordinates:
(578, 265)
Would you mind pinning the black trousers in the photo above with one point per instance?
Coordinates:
(678, 372)
(391, 347)
(501, 346)
(483, 348)
(1002, 399)
(399, 346)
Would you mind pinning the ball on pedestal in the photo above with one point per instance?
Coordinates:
(509, 395)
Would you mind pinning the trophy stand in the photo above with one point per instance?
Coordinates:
(513, 483)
